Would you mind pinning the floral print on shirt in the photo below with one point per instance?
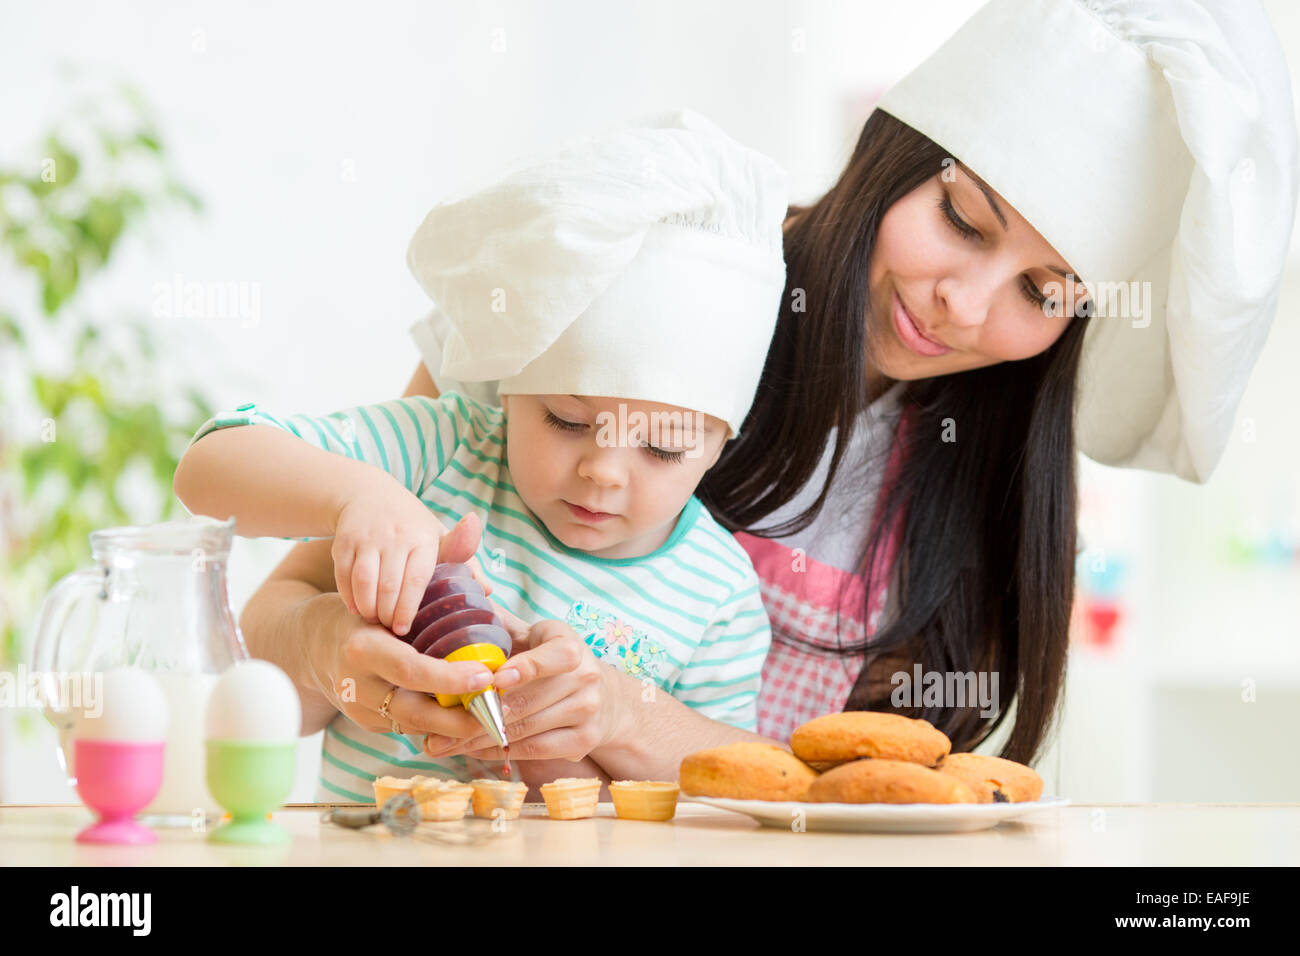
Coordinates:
(616, 642)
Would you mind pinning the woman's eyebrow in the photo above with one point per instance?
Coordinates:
(997, 211)
(988, 194)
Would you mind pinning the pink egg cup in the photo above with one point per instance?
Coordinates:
(117, 780)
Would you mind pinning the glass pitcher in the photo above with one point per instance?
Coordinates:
(155, 599)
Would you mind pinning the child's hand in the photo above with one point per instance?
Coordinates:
(385, 548)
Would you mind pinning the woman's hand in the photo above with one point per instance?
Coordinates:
(355, 663)
(559, 701)
(386, 543)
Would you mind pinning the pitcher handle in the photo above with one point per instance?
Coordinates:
(63, 598)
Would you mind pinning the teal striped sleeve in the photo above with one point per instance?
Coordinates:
(723, 676)
(410, 438)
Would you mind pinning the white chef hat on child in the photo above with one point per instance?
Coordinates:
(1149, 141)
(644, 263)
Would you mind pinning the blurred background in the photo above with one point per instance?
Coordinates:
(277, 158)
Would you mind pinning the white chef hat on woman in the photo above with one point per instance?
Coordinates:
(1149, 142)
(642, 263)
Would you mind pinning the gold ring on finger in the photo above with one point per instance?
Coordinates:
(383, 708)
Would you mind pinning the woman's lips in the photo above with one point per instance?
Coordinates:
(584, 515)
(911, 336)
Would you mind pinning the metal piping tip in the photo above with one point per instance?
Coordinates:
(487, 708)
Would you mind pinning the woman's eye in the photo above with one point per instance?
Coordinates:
(963, 228)
(1037, 299)
(1030, 291)
(556, 422)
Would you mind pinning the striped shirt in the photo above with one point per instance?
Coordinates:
(687, 619)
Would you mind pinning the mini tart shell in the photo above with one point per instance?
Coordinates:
(440, 800)
(644, 799)
(571, 798)
(493, 795)
(388, 787)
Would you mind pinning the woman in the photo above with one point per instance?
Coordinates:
(1043, 142)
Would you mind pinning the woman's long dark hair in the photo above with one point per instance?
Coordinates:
(986, 497)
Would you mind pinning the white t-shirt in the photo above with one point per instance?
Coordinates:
(838, 533)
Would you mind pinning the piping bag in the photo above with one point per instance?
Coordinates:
(456, 622)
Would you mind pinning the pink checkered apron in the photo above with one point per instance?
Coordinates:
(801, 682)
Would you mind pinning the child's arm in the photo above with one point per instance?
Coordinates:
(271, 482)
(352, 475)
(385, 539)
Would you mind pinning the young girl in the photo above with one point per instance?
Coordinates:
(623, 292)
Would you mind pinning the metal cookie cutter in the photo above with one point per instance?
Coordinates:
(400, 815)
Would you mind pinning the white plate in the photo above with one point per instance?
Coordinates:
(882, 817)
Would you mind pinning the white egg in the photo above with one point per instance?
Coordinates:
(125, 704)
(253, 700)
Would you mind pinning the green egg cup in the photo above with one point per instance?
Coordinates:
(250, 778)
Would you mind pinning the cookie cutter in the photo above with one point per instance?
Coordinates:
(400, 816)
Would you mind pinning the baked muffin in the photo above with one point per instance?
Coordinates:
(994, 779)
(839, 738)
(746, 771)
(888, 781)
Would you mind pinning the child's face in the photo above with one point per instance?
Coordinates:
(637, 462)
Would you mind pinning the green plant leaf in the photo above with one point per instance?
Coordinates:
(109, 422)
(10, 328)
(102, 224)
(59, 281)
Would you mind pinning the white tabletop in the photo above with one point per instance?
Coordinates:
(1167, 834)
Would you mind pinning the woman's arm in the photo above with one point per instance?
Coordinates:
(421, 383)
(654, 735)
(297, 599)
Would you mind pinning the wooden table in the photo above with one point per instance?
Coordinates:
(1168, 834)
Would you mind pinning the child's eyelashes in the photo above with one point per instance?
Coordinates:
(573, 427)
(560, 423)
(662, 455)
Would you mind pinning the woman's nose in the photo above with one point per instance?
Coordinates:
(967, 299)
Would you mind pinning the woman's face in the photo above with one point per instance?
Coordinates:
(975, 278)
